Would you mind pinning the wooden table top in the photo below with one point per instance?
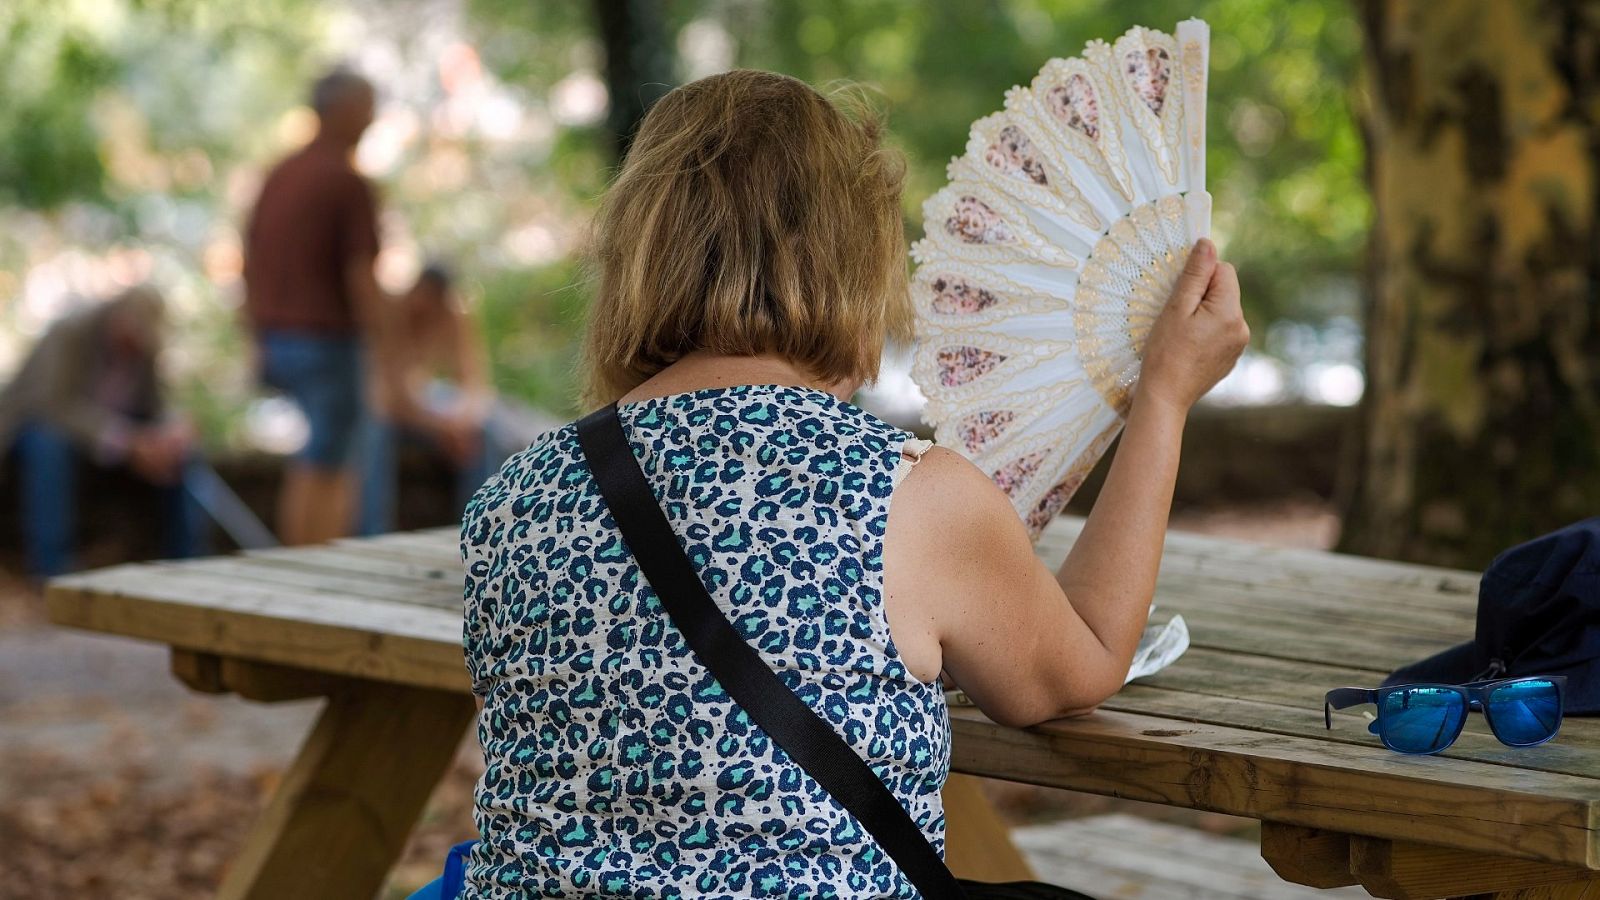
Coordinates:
(1234, 726)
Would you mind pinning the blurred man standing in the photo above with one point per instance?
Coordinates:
(89, 392)
(314, 302)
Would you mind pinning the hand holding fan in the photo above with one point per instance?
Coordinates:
(1050, 253)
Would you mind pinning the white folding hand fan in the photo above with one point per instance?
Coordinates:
(1049, 254)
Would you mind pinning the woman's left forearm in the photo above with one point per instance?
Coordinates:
(1110, 575)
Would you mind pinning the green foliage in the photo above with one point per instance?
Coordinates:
(52, 71)
(196, 76)
(1284, 156)
(120, 124)
(532, 318)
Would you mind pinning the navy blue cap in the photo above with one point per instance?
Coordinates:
(1538, 614)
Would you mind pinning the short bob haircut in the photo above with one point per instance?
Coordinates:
(753, 216)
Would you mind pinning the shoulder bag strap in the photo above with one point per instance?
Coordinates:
(785, 718)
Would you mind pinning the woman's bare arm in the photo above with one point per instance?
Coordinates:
(1008, 633)
(1111, 572)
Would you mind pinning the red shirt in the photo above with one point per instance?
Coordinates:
(316, 215)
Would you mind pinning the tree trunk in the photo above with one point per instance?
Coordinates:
(639, 63)
(1482, 412)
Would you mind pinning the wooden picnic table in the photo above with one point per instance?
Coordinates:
(1235, 726)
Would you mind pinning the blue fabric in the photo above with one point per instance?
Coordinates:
(449, 885)
(47, 470)
(380, 477)
(381, 443)
(616, 766)
(1538, 614)
(47, 475)
(323, 375)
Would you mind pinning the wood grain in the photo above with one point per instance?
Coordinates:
(1309, 856)
(261, 682)
(1588, 890)
(1402, 870)
(340, 635)
(345, 807)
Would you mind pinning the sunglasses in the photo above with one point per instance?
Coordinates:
(1427, 718)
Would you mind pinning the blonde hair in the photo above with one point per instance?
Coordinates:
(753, 216)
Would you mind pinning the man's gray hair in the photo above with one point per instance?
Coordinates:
(339, 83)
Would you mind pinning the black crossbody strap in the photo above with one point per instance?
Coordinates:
(785, 718)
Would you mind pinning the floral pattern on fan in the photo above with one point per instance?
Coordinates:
(954, 295)
(971, 221)
(978, 429)
(1054, 500)
(1146, 62)
(1003, 156)
(976, 222)
(1076, 105)
(1147, 70)
(1047, 258)
(1011, 152)
(960, 365)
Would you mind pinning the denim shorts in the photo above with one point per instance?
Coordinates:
(323, 376)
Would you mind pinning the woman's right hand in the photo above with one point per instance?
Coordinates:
(1198, 336)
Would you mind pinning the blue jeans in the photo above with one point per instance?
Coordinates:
(47, 475)
(381, 442)
(323, 375)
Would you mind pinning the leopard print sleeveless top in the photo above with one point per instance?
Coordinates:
(616, 766)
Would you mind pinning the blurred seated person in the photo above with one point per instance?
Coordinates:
(438, 397)
(89, 392)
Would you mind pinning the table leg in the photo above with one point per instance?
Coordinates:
(977, 843)
(1308, 856)
(1401, 870)
(344, 809)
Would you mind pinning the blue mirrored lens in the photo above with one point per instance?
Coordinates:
(1422, 719)
(1525, 712)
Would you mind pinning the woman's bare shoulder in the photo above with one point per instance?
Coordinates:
(945, 488)
(958, 550)
(951, 526)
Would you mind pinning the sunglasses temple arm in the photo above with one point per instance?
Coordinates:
(1343, 698)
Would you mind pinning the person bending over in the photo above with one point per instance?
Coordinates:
(751, 261)
(89, 393)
